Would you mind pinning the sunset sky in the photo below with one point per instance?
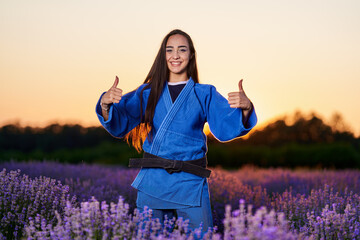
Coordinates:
(57, 57)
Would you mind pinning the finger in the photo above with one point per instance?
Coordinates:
(233, 94)
(234, 105)
(237, 105)
(235, 97)
(233, 100)
(116, 96)
(116, 91)
(106, 100)
(116, 82)
(241, 86)
(116, 99)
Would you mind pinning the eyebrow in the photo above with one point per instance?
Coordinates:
(182, 46)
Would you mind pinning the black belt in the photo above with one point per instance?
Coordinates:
(197, 167)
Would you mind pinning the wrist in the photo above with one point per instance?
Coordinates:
(250, 107)
(105, 106)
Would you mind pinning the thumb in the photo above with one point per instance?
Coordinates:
(240, 86)
(116, 82)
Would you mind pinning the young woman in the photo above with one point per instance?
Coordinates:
(165, 118)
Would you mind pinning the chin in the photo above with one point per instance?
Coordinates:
(177, 71)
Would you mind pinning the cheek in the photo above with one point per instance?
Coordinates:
(187, 58)
(167, 57)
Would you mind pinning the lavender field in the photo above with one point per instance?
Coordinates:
(49, 200)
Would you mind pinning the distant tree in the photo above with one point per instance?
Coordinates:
(300, 129)
(50, 138)
(338, 124)
(297, 128)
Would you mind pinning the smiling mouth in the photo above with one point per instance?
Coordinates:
(175, 63)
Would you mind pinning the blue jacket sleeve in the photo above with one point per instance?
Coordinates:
(123, 116)
(226, 123)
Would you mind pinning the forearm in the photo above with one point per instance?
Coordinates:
(105, 110)
(246, 114)
(105, 114)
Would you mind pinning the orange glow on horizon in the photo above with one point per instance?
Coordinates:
(291, 55)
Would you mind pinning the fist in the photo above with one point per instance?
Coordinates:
(113, 95)
(239, 99)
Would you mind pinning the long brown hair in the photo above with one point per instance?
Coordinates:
(155, 80)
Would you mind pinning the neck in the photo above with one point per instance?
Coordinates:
(178, 77)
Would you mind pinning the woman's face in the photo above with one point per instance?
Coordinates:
(177, 54)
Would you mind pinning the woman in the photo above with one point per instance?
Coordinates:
(165, 116)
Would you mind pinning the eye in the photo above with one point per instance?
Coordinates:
(169, 50)
(183, 50)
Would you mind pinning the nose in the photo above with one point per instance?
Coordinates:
(176, 55)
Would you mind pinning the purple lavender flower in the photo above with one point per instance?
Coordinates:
(308, 203)
(22, 199)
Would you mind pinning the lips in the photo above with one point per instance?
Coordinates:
(175, 64)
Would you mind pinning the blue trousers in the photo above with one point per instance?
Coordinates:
(196, 215)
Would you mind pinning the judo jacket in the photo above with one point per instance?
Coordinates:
(178, 135)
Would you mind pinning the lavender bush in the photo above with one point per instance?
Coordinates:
(264, 224)
(106, 183)
(303, 181)
(22, 198)
(293, 192)
(303, 196)
(95, 220)
(333, 225)
(297, 207)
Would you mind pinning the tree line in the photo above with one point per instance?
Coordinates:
(289, 141)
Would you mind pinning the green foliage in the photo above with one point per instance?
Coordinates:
(52, 137)
(105, 153)
(334, 155)
(301, 141)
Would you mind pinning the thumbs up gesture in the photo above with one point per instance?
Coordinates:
(239, 99)
(113, 95)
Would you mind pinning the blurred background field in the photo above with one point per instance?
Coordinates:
(300, 165)
(298, 140)
(314, 202)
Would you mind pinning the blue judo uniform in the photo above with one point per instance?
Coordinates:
(178, 135)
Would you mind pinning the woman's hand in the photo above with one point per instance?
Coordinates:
(113, 95)
(239, 99)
